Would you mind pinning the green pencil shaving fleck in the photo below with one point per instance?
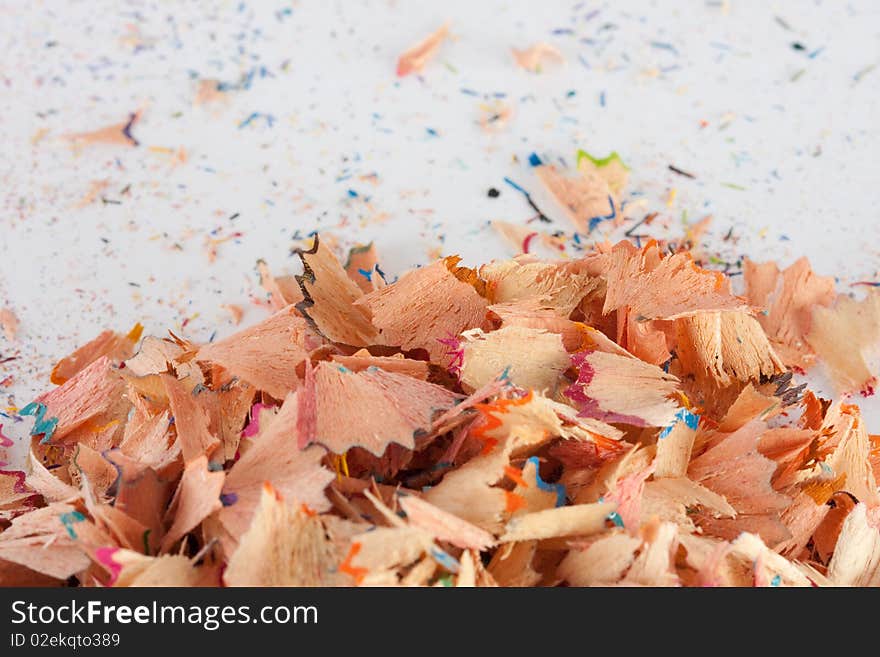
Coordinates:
(858, 76)
(603, 162)
(733, 186)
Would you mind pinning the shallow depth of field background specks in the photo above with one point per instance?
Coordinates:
(772, 106)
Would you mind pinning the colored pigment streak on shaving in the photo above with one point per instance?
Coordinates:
(492, 419)
(345, 567)
(42, 424)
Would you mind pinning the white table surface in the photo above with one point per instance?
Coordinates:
(782, 142)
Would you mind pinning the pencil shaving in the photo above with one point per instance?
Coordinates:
(622, 419)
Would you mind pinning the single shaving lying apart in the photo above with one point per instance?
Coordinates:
(621, 419)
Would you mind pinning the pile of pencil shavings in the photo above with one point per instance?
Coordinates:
(619, 419)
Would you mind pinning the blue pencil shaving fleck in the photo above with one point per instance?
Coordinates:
(67, 519)
(366, 273)
(662, 45)
(515, 186)
(683, 415)
(776, 581)
(505, 375)
(595, 221)
(343, 369)
(228, 499)
(445, 560)
(126, 130)
(602, 99)
(270, 120)
(246, 80)
(557, 488)
(534, 160)
(42, 425)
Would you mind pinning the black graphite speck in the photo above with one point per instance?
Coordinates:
(493, 193)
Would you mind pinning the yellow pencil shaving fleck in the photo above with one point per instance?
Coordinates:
(38, 136)
(135, 333)
(104, 427)
(670, 200)
(340, 464)
(220, 240)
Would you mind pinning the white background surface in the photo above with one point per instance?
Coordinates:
(714, 88)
